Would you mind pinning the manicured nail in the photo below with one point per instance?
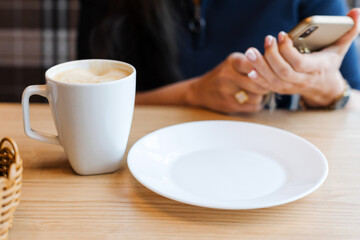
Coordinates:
(252, 74)
(251, 55)
(269, 40)
(281, 36)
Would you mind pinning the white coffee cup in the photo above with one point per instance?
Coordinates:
(93, 120)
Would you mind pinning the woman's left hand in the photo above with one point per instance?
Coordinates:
(315, 76)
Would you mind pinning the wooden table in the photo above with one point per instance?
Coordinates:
(58, 204)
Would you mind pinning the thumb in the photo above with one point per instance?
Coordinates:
(342, 45)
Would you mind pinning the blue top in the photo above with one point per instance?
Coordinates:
(231, 26)
(237, 25)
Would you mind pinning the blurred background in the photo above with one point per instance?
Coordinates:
(35, 35)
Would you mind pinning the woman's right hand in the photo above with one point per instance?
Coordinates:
(216, 89)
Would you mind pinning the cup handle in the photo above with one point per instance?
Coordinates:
(28, 92)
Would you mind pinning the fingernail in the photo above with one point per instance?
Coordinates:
(281, 36)
(269, 40)
(252, 74)
(251, 55)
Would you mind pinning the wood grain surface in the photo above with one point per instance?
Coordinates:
(58, 204)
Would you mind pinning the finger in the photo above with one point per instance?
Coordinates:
(247, 84)
(282, 69)
(239, 62)
(261, 68)
(242, 65)
(299, 62)
(258, 79)
(263, 75)
(251, 98)
(281, 87)
(255, 99)
(342, 45)
(252, 104)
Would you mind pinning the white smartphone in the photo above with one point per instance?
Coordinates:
(317, 32)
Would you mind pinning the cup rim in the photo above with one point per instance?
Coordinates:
(51, 79)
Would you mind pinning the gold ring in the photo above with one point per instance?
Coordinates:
(241, 96)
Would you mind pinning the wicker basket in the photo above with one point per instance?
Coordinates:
(10, 183)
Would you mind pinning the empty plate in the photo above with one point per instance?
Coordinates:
(227, 164)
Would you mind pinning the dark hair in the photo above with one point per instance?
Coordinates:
(142, 33)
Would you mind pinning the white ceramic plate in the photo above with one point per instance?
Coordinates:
(227, 164)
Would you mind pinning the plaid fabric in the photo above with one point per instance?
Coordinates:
(34, 35)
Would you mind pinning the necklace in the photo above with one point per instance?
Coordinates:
(197, 23)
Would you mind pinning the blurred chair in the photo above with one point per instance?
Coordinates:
(34, 35)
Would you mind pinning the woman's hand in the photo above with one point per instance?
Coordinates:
(216, 89)
(315, 76)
